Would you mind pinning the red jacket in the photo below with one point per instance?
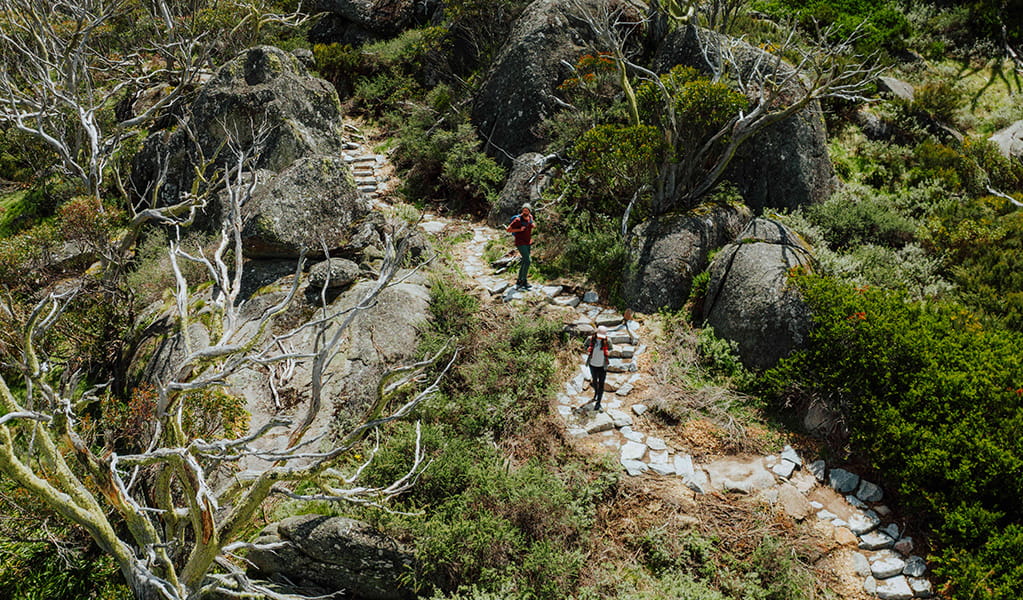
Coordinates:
(524, 237)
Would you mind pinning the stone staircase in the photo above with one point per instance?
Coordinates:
(848, 509)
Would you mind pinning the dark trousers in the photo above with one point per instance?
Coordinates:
(523, 265)
(598, 374)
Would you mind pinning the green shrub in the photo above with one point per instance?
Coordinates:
(590, 244)
(882, 22)
(934, 401)
(855, 215)
(616, 161)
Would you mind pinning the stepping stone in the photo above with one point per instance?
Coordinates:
(792, 502)
(632, 435)
(819, 470)
(660, 458)
(846, 538)
(624, 352)
(789, 454)
(634, 467)
(856, 502)
(862, 522)
(869, 492)
(618, 338)
(640, 350)
(886, 567)
(921, 587)
(497, 288)
(565, 410)
(784, 469)
(618, 365)
(633, 451)
(599, 423)
(860, 564)
(875, 540)
(620, 418)
(904, 545)
(609, 319)
(915, 567)
(826, 515)
(624, 391)
(684, 465)
(843, 481)
(698, 482)
(870, 585)
(639, 409)
(895, 588)
(571, 301)
(663, 468)
(550, 290)
(656, 443)
(590, 297)
(891, 529)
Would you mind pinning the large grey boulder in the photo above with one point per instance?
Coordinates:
(311, 204)
(669, 251)
(1010, 140)
(525, 183)
(262, 89)
(520, 89)
(750, 299)
(380, 337)
(383, 17)
(333, 554)
(787, 164)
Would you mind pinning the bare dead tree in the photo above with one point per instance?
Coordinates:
(61, 73)
(776, 88)
(171, 526)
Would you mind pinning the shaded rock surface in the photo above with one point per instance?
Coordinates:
(786, 165)
(749, 298)
(333, 554)
(525, 184)
(669, 251)
(1010, 140)
(311, 203)
(520, 89)
(262, 87)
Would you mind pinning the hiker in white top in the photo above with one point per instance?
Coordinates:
(598, 348)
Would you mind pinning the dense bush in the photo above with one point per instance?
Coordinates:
(935, 401)
(590, 244)
(854, 216)
(882, 22)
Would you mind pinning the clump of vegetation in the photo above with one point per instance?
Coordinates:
(934, 398)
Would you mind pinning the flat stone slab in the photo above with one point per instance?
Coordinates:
(922, 588)
(784, 469)
(662, 468)
(599, 423)
(632, 435)
(819, 470)
(876, 540)
(684, 465)
(639, 409)
(633, 451)
(863, 521)
(860, 564)
(739, 475)
(789, 454)
(620, 418)
(887, 567)
(609, 319)
(634, 467)
(656, 443)
(570, 301)
(895, 588)
(698, 481)
(792, 502)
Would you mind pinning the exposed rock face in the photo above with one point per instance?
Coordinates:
(383, 17)
(749, 299)
(311, 203)
(896, 88)
(378, 338)
(669, 251)
(519, 93)
(333, 554)
(525, 184)
(786, 165)
(262, 87)
(1010, 140)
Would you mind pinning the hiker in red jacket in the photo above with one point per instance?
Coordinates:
(522, 226)
(598, 352)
